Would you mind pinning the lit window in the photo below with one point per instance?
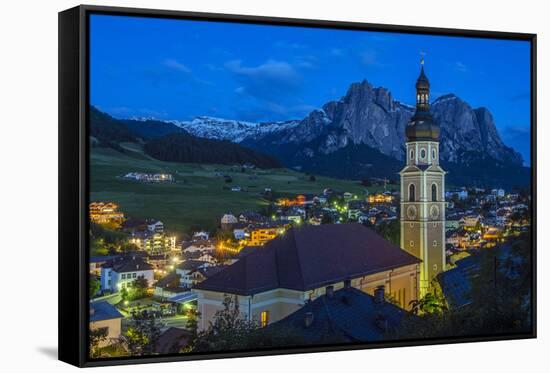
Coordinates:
(264, 318)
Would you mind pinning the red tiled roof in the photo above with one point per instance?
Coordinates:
(310, 257)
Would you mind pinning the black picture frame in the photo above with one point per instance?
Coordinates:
(74, 189)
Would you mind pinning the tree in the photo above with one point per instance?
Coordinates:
(499, 300)
(228, 331)
(97, 336)
(142, 334)
(192, 321)
(95, 285)
(391, 231)
(327, 219)
(429, 304)
(139, 288)
(124, 294)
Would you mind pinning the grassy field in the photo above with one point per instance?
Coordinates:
(197, 199)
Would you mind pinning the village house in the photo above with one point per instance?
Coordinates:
(185, 268)
(105, 212)
(150, 178)
(252, 217)
(380, 198)
(153, 242)
(345, 316)
(155, 226)
(300, 265)
(228, 221)
(96, 262)
(261, 234)
(199, 245)
(470, 222)
(200, 235)
(121, 272)
(161, 261)
(292, 214)
(198, 275)
(498, 192)
(240, 232)
(104, 315)
(168, 286)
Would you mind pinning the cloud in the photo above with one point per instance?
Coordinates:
(128, 112)
(269, 111)
(176, 65)
(461, 67)
(273, 80)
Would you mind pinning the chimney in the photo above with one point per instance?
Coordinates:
(347, 283)
(308, 319)
(329, 291)
(379, 296)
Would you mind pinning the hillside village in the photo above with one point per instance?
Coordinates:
(318, 264)
(174, 275)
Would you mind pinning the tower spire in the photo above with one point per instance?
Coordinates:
(421, 125)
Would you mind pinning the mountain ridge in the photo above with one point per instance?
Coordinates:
(368, 120)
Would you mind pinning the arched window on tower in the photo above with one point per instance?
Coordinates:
(434, 192)
(411, 193)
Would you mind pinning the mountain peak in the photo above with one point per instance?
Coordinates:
(447, 97)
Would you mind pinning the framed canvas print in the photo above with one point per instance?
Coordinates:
(238, 186)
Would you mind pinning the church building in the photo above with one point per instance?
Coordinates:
(423, 190)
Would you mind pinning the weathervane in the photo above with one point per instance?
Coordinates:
(422, 54)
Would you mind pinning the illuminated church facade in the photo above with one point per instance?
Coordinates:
(423, 190)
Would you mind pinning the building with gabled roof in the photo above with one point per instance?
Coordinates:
(104, 315)
(298, 265)
(122, 271)
(345, 316)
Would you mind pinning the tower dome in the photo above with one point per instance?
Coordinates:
(421, 125)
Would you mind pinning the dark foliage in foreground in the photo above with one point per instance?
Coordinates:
(501, 299)
(230, 332)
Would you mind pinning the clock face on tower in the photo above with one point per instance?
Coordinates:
(434, 212)
(411, 212)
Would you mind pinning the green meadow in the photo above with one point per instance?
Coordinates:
(199, 195)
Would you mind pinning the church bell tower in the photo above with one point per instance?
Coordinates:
(423, 190)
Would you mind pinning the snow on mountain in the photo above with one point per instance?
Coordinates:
(231, 130)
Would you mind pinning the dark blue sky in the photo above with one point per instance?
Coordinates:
(174, 69)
